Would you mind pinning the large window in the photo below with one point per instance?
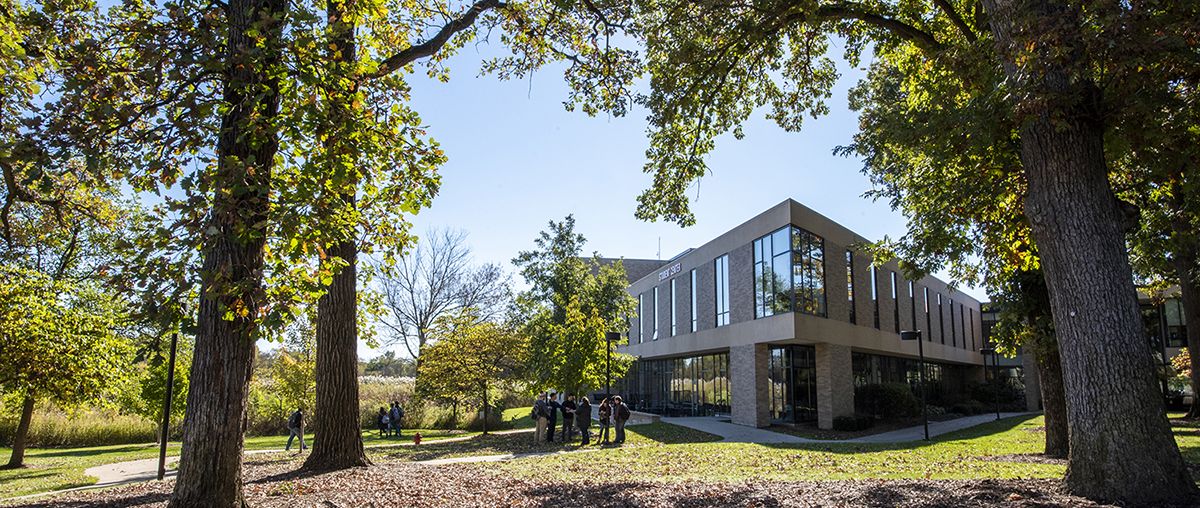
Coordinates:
(895, 304)
(941, 319)
(641, 317)
(789, 273)
(693, 291)
(654, 317)
(875, 293)
(721, 266)
(691, 386)
(1176, 323)
(928, 318)
(673, 329)
(953, 335)
(793, 385)
(850, 284)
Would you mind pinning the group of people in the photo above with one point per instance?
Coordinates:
(578, 416)
(391, 420)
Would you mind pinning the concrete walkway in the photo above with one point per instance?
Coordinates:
(734, 433)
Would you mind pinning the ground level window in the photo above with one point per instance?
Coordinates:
(793, 384)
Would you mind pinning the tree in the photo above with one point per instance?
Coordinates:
(1065, 72)
(570, 305)
(387, 364)
(470, 358)
(59, 343)
(438, 279)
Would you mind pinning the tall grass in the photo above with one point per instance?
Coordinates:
(93, 428)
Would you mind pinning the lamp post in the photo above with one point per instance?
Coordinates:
(166, 420)
(995, 375)
(916, 335)
(609, 339)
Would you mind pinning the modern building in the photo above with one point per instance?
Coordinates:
(779, 319)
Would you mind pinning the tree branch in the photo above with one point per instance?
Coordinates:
(910, 33)
(957, 20)
(430, 47)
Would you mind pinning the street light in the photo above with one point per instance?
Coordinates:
(916, 335)
(609, 338)
(995, 375)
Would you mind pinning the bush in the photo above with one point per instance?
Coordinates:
(970, 407)
(94, 428)
(887, 400)
(853, 423)
(932, 410)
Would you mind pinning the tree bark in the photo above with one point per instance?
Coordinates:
(1121, 445)
(17, 459)
(232, 295)
(337, 431)
(1054, 402)
(1186, 263)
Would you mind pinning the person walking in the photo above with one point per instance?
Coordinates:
(539, 415)
(568, 411)
(383, 422)
(583, 420)
(552, 408)
(605, 414)
(395, 416)
(620, 415)
(296, 430)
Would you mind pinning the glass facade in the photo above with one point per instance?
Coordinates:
(691, 386)
(1176, 325)
(789, 273)
(673, 329)
(945, 382)
(875, 293)
(850, 284)
(693, 291)
(721, 268)
(793, 384)
(895, 303)
(654, 315)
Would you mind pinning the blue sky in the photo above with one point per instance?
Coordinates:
(518, 159)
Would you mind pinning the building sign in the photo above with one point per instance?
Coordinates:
(666, 274)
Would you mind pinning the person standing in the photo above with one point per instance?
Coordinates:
(583, 420)
(620, 415)
(383, 422)
(552, 408)
(395, 417)
(568, 411)
(296, 430)
(605, 415)
(539, 415)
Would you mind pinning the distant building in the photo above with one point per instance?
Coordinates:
(779, 319)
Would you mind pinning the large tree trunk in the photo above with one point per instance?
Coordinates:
(1054, 402)
(1121, 443)
(337, 431)
(210, 465)
(337, 441)
(1186, 267)
(18, 446)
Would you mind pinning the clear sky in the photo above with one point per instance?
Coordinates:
(518, 159)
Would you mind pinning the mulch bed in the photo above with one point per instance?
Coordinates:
(1027, 458)
(276, 484)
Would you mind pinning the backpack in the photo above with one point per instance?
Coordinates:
(622, 412)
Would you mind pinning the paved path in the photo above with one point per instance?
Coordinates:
(730, 432)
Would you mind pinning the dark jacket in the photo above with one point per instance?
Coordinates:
(568, 410)
(552, 409)
(622, 412)
(605, 413)
(296, 420)
(583, 414)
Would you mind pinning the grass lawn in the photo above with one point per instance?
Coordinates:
(50, 469)
(992, 450)
(638, 436)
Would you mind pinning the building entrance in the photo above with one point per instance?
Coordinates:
(793, 384)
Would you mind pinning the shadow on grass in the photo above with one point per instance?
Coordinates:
(85, 452)
(142, 500)
(976, 432)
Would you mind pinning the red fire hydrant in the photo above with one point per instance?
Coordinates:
(417, 438)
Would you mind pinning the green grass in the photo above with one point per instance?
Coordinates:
(50, 469)
(650, 435)
(967, 454)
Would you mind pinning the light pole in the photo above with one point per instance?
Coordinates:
(916, 335)
(995, 375)
(609, 339)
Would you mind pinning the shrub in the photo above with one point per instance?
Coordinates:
(932, 410)
(52, 428)
(853, 423)
(887, 400)
(969, 407)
